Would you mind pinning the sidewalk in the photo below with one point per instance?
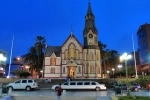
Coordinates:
(53, 98)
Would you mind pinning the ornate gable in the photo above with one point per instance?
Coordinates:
(69, 40)
(71, 62)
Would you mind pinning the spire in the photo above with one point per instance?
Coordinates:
(90, 20)
(89, 12)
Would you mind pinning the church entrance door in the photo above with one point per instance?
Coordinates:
(72, 71)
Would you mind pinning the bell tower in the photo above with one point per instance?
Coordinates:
(90, 32)
(91, 51)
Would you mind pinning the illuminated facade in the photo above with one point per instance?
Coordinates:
(73, 58)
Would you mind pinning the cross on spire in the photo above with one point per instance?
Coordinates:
(71, 31)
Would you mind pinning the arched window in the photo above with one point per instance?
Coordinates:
(52, 70)
(91, 68)
(97, 56)
(71, 50)
(63, 69)
(85, 68)
(53, 61)
(66, 54)
(85, 56)
(79, 69)
(91, 56)
(77, 54)
(98, 70)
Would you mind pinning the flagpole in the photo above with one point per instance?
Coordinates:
(136, 76)
(10, 57)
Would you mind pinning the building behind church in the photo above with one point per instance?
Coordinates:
(74, 59)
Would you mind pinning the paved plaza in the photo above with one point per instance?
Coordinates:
(73, 95)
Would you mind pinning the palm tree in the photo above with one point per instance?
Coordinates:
(109, 57)
(40, 47)
(31, 58)
(114, 58)
(103, 54)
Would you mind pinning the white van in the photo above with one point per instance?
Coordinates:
(81, 85)
(27, 84)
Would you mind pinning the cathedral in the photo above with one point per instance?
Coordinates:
(74, 59)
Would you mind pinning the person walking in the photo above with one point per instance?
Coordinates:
(59, 90)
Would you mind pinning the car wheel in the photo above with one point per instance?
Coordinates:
(136, 89)
(28, 88)
(97, 89)
(11, 88)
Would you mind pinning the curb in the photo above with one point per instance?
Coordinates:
(113, 97)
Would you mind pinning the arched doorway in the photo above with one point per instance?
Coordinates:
(72, 71)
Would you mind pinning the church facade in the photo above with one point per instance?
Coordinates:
(73, 58)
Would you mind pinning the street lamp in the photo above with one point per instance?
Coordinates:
(42, 73)
(119, 66)
(113, 69)
(108, 72)
(125, 57)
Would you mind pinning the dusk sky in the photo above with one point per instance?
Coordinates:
(116, 21)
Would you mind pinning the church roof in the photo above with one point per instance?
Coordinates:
(71, 35)
(51, 49)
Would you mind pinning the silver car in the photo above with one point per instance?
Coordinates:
(81, 85)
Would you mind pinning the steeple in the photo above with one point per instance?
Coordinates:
(89, 9)
(90, 32)
(90, 20)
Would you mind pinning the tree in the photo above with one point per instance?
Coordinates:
(40, 47)
(34, 57)
(21, 73)
(109, 57)
(31, 58)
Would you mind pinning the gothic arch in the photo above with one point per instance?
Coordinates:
(53, 61)
(77, 54)
(85, 56)
(66, 54)
(85, 68)
(71, 50)
(91, 68)
(97, 56)
(91, 56)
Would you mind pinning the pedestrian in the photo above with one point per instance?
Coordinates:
(59, 90)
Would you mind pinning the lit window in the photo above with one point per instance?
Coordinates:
(91, 68)
(66, 54)
(53, 61)
(72, 50)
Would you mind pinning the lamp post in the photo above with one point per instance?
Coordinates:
(120, 66)
(113, 69)
(125, 57)
(42, 73)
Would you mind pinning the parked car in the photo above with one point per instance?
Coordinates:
(135, 87)
(27, 84)
(132, 86)
(81, 85)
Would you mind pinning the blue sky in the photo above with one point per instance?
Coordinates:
(116, 21)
